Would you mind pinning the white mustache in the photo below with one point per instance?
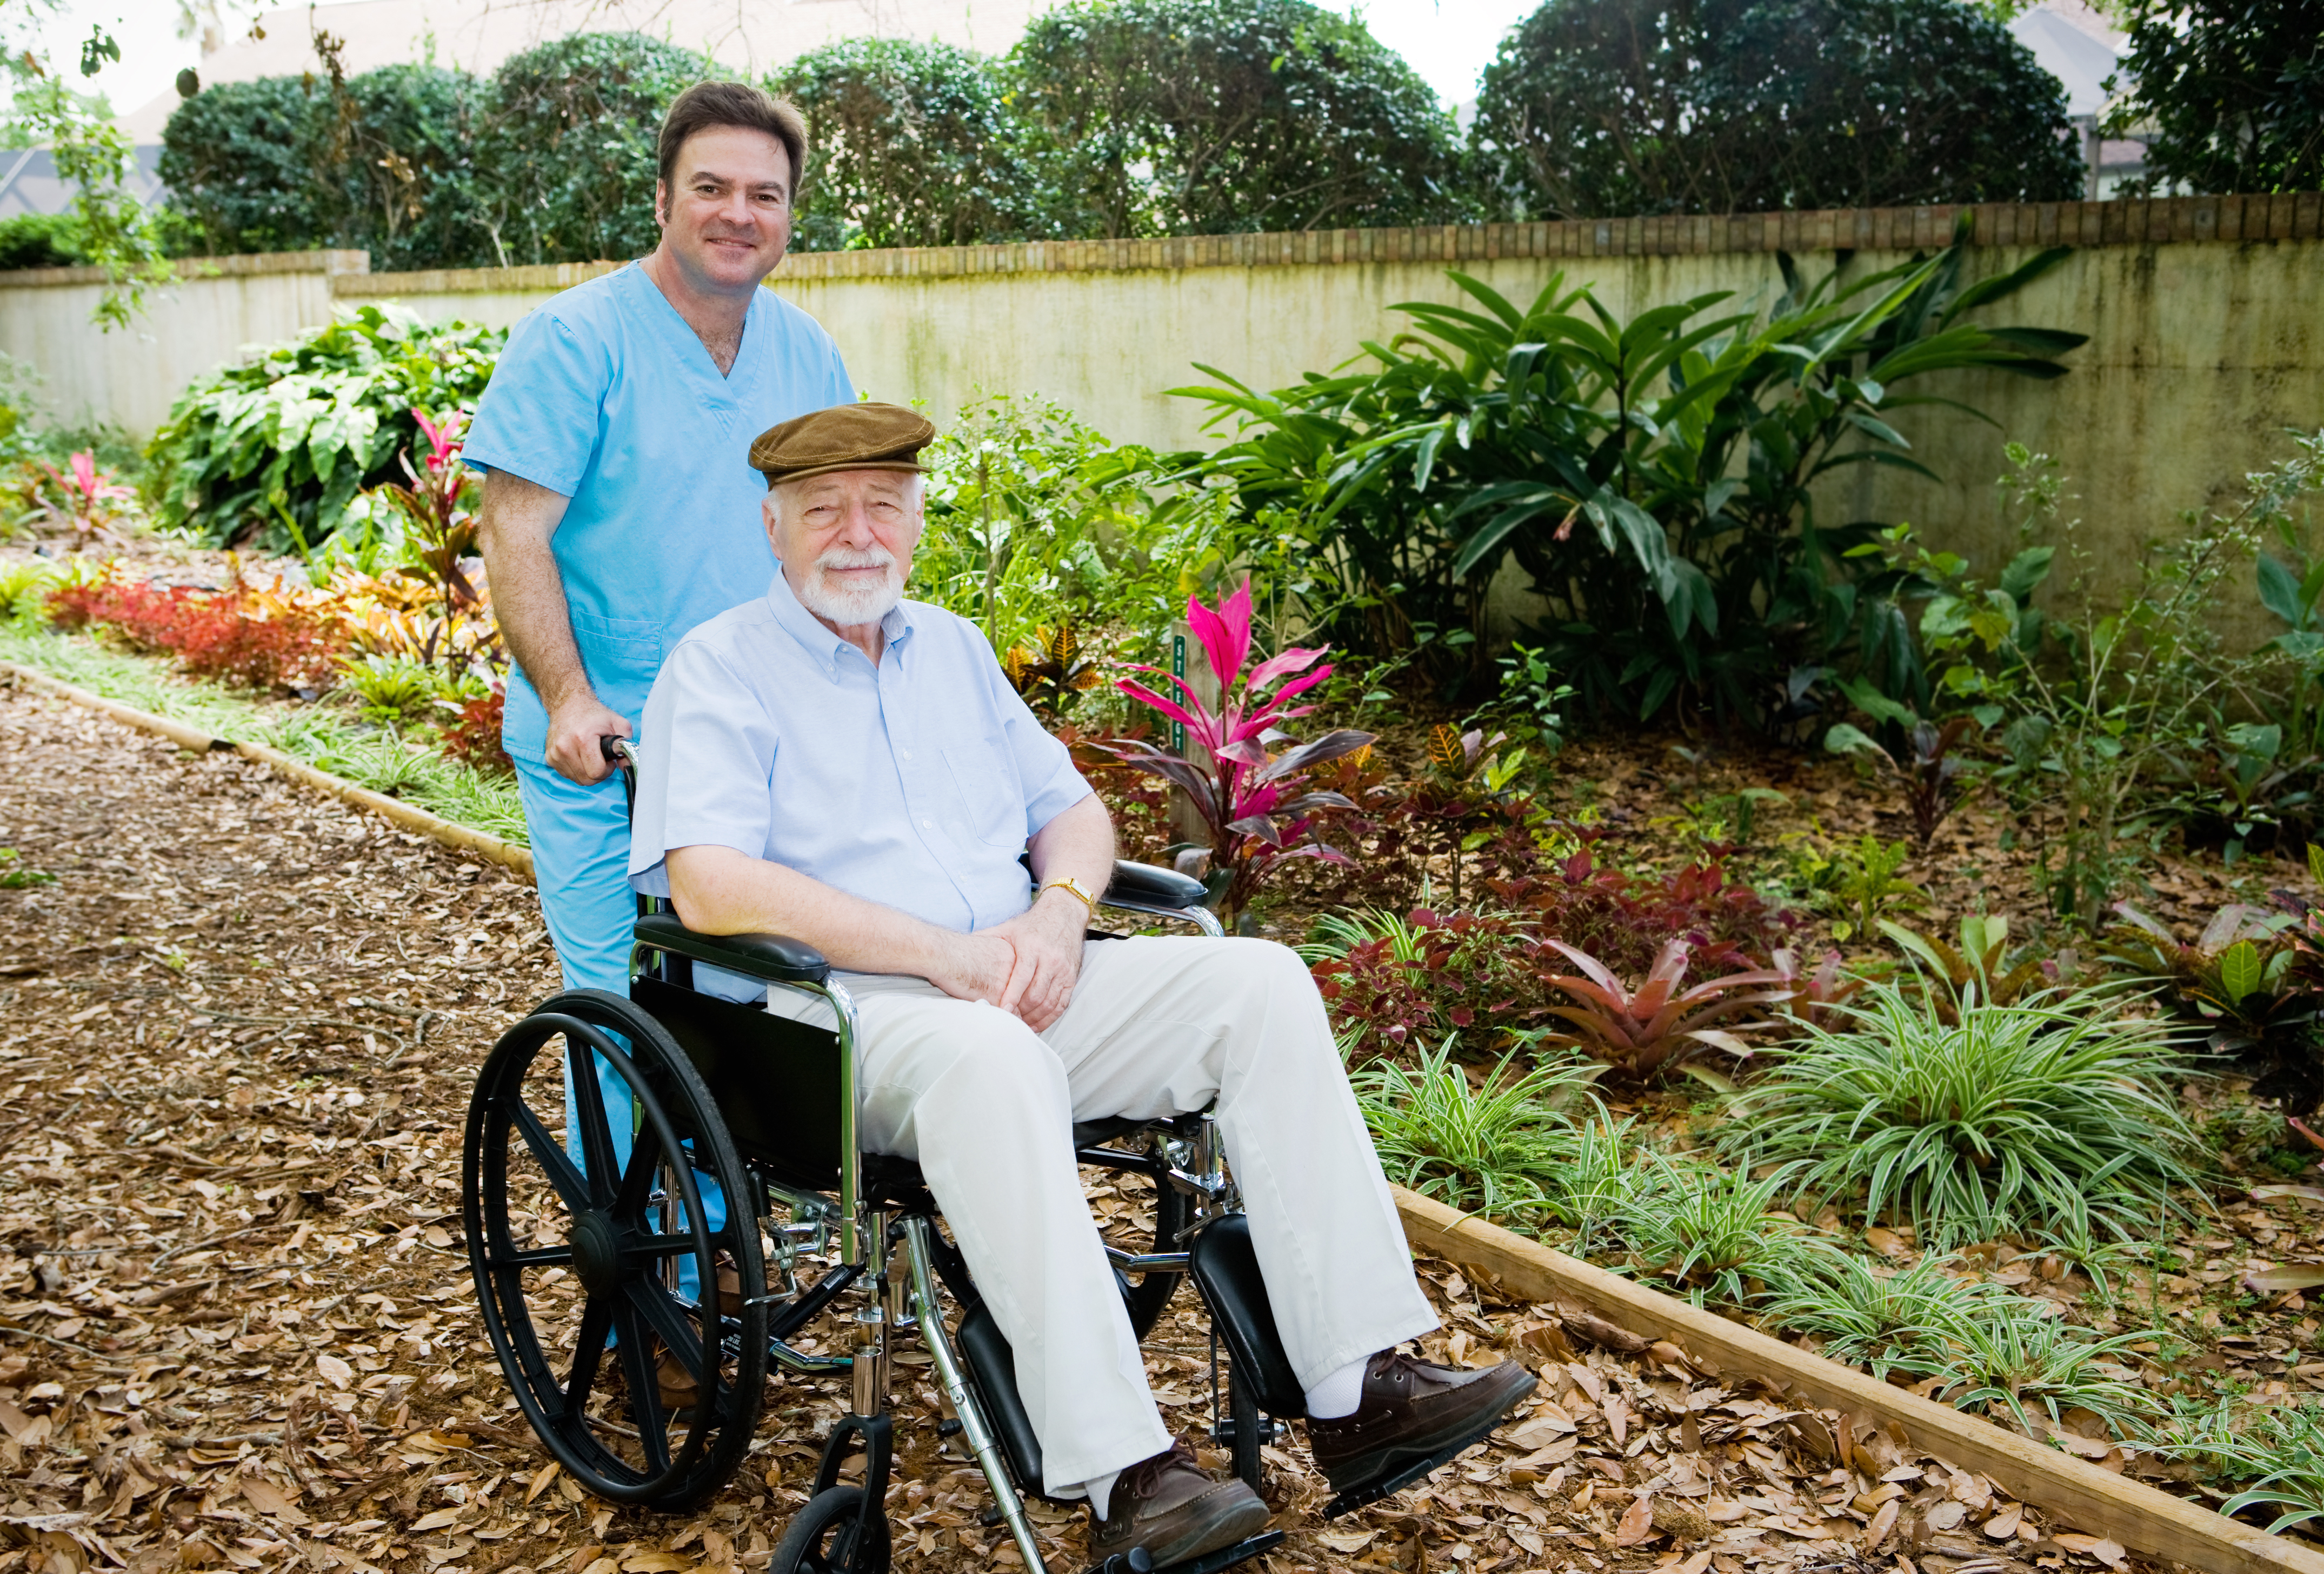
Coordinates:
(847, 557)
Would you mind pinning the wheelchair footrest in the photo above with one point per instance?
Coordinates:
(1405, 1472)
(1136, 1563)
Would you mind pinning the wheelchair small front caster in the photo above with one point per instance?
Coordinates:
(835, 1532)
(1137, 1560)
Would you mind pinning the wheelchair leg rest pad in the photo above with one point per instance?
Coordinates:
(1402, 1472)
(1208, 1563)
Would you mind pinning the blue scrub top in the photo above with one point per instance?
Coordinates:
(606, 396)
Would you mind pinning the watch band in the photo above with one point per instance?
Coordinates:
(1074, 887)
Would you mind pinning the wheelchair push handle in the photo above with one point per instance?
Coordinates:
(623, 758)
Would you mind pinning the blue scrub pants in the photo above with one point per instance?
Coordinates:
(581, 868)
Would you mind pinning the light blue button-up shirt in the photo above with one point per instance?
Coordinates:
(605, 395)
(915, 785)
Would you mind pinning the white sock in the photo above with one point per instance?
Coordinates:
(1338, 1394)
(1101, 1493)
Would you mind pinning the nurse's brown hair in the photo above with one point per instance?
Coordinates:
(707, 105)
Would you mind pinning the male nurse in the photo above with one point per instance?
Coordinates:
(620, 507)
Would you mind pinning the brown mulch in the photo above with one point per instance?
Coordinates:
(236, 1037)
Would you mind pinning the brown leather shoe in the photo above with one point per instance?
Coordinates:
(1167, 1506)
(1411, 1410)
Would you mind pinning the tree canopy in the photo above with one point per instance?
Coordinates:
(2235, 89)
(1604, 108)
(908, 144)
(1212, 116)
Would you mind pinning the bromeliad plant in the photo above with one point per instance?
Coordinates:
(1657, 1028)
(1252, 798)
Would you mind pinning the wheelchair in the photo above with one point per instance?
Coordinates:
(737, 1227)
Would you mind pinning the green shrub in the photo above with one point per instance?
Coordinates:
(1594, 108)
(1212, 116)
(236, 158)
(274, 448)
(40, 240)
(2012, 1119)
(565, 148)
(909, 144)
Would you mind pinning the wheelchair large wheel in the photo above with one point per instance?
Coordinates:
(600, 1274)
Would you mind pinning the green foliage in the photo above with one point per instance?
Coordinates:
(1212, 116)
(1710, 1232)
(565, 146)
(2007, 1119)
(1654, 477)
(1598, 108)
(909, 144)
(279, 446)
(16, 875)
(1861, 879)
(237, 159)
(96, 160)
(391, 689)
(2234, 90)
(389, 149)
(1036, 521)
(1987, 1347)
(1499, 1147)
(2279, 1448)
(2096, 704)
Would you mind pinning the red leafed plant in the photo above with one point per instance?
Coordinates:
(1622, 920)
(439, 522)
(1400, 981)
(1658, 1028)
(473, 735)
(1252, 799)
(257, 636)
(83, 493)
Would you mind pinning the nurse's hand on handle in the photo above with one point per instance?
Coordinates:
(574, 729)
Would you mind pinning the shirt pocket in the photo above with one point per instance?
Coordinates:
(621, 655)
(991, 802)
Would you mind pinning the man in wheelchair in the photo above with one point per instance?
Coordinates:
(838, 765)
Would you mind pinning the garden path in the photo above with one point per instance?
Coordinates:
(236, 1035)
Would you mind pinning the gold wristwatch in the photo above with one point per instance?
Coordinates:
(1073, 885)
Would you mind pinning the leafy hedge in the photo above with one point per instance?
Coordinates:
(273, 449)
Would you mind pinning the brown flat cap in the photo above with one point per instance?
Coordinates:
(846, 437)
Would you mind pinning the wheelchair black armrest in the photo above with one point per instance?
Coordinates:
(1144, 888)
(772, 957)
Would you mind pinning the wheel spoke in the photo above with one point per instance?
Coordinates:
(645, 1389)
(596, 1133)
(645, 1248)
(669, 1320)
(572, 1188)
(588, 1349)
(547, 1257)
(637, 1178)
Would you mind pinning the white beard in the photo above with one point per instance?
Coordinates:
(851, 606)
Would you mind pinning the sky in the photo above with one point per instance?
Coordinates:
(1447, 42)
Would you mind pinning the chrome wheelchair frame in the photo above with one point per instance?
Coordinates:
(672, 1272)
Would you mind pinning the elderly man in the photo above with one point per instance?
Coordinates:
(835, 764)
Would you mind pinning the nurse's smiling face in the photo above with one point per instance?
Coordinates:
(725, 213)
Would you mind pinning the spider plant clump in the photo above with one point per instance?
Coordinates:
(2278, 1449)
(2010, 1118)
(1498, 1148)
(1985, 1347)
(1710, 1233)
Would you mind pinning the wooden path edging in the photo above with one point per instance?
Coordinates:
(2143, 1518)
(450, 833)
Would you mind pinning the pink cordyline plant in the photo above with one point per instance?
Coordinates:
(1657, 1027)
(439, 525)
(1250, 799)
(84, 490)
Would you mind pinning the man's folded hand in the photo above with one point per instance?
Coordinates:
(977, 966)
(1047, 939)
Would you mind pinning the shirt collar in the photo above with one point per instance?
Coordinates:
(820, 642)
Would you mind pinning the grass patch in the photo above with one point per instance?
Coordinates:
(2278, 1450)
(2015, 1119)
(1497, 1148)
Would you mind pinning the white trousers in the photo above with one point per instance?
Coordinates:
(1157, 1027)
